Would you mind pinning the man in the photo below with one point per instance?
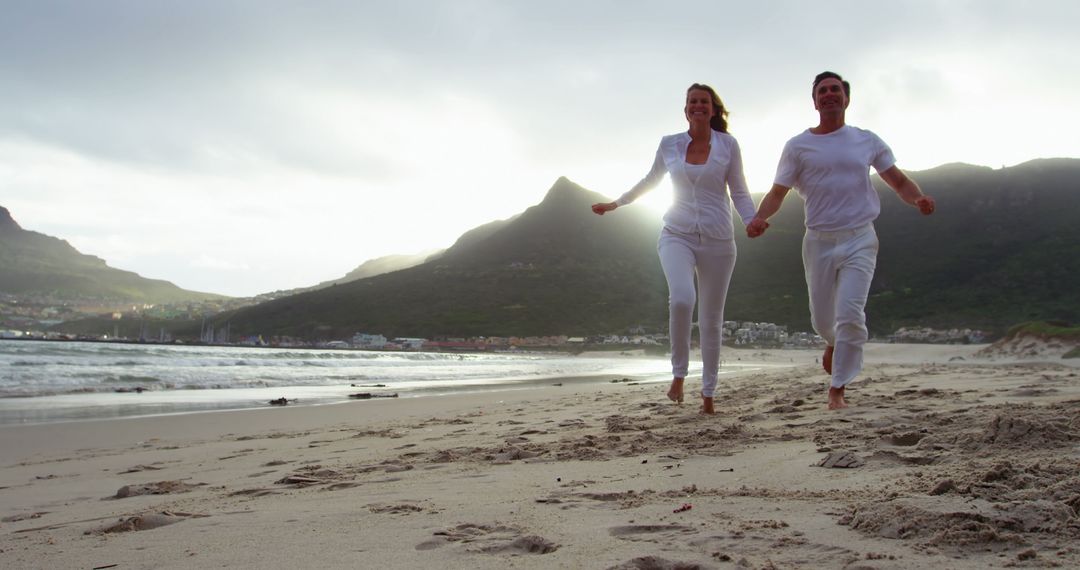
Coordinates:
(829, 165)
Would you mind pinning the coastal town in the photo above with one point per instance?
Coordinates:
(35, 317)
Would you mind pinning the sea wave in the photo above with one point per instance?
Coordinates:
(29, 363)
(131, 378)
(50, 368)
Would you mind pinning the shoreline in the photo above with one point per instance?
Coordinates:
(558, 350)
(87, 404)
(251, 399)
(81, 406)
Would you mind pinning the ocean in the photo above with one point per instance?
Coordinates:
(46, 381)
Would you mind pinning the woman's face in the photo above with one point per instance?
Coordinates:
(699, 106)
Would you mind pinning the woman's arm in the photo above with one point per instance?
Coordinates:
(736, 181)
(656, 173)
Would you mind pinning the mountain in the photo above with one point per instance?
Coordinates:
(555, 268)
(1003, 247)
(380, 265)
(391, 263)
(31, 262)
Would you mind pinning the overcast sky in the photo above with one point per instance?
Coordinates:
(241, 147)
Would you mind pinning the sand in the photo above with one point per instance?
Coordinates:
(948, 458)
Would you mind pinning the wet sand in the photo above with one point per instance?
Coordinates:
(949, 457)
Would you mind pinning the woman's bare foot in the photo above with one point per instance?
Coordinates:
(836, 398)
(707, 406)
(675, 393)
(826, 359)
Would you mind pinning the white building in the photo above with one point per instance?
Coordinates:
(370, 341)
(410, 343)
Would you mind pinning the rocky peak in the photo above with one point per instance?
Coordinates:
(7, 223)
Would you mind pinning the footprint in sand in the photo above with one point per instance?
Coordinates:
(777, 546)
(275, 463)
(23, 516)
(139, 468)
(158, 488)
(530, 544)
(400, 509)
(146, 521)
(490, 539)
(649, 532)
(254, 493)
(657, 563)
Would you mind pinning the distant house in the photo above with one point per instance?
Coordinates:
(455, 344)
(368, 341)
(410, 343)
(256, 340)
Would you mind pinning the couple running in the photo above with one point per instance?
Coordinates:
(829, 166)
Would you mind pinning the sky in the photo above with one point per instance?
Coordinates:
(242, 147)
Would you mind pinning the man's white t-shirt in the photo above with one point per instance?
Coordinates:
(832, 175)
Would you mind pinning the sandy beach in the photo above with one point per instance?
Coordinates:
(950, 457)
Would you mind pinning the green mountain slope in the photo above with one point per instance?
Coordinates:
(373, 267)
(1001, 248)
(556, 268)
(31, 262)
(1004, 248)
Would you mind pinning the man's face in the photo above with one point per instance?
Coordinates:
(829, 95)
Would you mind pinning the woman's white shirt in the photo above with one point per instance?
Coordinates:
(701, 201)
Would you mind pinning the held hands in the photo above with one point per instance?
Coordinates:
(925, 204)
(602, 207)
(756, 227)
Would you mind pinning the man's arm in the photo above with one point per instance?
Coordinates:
(908, 190)
(769, 205)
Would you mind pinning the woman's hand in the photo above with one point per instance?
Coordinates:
(756, 228)
(602, 207)
(925, 204)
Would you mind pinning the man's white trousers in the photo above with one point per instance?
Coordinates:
(839, 267)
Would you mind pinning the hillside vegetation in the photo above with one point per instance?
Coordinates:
(1003, 247)
(31, 262)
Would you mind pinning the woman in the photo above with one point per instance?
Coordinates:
(698, 235)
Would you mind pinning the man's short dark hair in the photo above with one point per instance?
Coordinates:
(830, 75)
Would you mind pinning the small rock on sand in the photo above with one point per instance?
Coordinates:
(842, 459)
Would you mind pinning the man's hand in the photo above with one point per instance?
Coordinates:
(756, 227)
(602, 207)
(908, 190)
(925, 205)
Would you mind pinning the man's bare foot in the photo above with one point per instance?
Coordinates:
(826, 359)
(836, 398)
(707, 406)
(675, 393)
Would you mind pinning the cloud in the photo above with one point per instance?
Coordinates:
(210, 262)
(189, 139)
